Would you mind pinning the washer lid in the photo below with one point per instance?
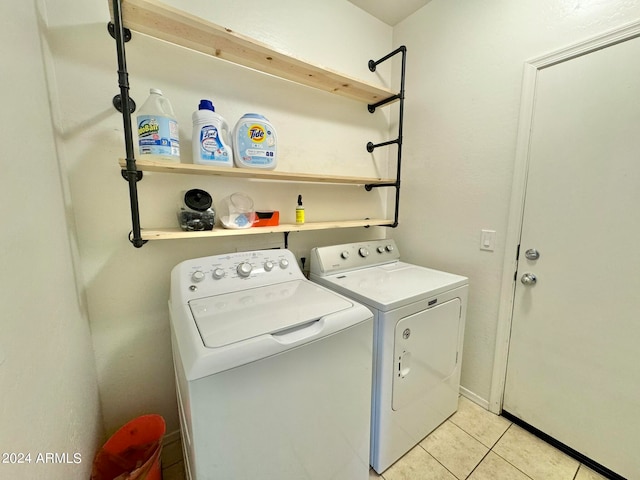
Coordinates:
(233, 317)
(392, 285)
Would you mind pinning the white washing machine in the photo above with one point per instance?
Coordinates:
(419, 317)
(273, 372)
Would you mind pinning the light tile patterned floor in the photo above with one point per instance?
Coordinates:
(473, 444)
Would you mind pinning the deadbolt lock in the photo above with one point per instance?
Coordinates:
(532, 254)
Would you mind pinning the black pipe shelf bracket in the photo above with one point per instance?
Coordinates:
(126, 105)
(398, 141)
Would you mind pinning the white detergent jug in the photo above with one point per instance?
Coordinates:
(211, 144)
(255, 142)
(158, 129)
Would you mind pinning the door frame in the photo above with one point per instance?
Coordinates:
(518, 191)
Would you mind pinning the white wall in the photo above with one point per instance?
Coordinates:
(465, 64)
(127, 289)
(48, 390)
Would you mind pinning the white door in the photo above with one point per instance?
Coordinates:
(574, 357)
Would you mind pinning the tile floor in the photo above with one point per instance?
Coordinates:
(172, 464)
(473, 444)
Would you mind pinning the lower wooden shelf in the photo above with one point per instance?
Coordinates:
(177, 233)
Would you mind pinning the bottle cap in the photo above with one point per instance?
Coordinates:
(155, 90)
(300, 200)
(206, 105)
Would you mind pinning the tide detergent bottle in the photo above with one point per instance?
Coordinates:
(255, 142)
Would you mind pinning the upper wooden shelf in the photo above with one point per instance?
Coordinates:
(188, 168)
(172, 25)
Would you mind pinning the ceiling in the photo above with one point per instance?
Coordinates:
(390, 11)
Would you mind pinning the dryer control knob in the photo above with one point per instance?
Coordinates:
(268, 266)
(284, 263)
(345, 254)
(389, 248)
(244, 269)
(380, 249)
(363, 252)
(218, 273)
(197, 276)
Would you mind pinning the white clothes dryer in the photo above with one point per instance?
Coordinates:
(419, 318)
(273, 372)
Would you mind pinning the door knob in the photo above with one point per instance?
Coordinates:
(529, 279)
(532, 254)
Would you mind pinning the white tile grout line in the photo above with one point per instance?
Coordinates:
(470, 436)
(491, 450)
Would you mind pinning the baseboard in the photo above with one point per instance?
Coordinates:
(468, 394)
(171, 437)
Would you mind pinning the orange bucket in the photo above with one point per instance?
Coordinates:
(133, 452)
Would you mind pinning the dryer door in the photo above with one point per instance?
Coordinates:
(426, 351)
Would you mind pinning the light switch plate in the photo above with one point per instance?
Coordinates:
(488, 240)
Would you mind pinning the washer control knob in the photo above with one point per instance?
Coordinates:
(363, 252)
(284, 263)
(345, 254)
(268, 266)
(218, 273)
(380, 249)
(244, 269)
(197, 276)
(389, 248)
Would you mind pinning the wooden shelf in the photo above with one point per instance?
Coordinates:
(176, 233)
(175, 26)
(186, 168)
(191, 169)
